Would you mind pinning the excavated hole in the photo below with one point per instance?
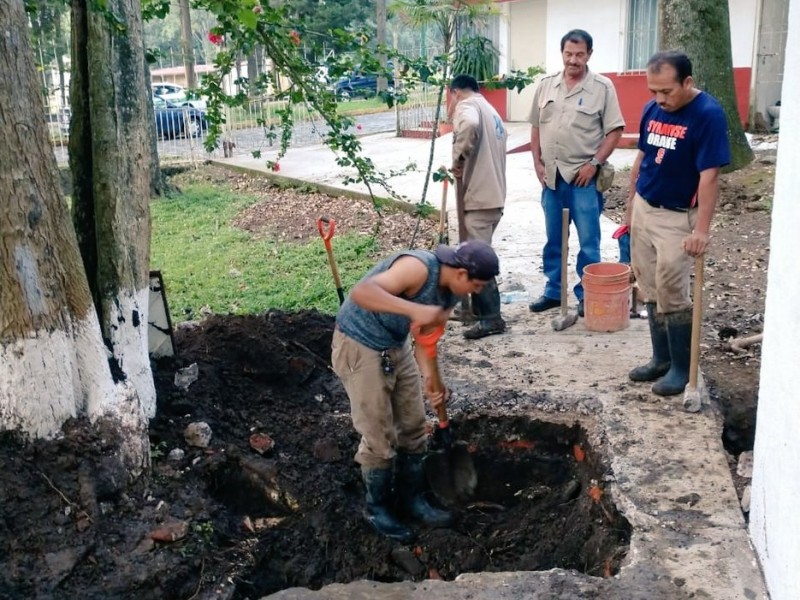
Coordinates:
(541, 503)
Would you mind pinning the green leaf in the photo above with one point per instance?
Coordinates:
(248, 18)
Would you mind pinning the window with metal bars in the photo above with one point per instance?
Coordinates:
(642, 39)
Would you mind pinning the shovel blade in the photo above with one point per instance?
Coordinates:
(451, 474)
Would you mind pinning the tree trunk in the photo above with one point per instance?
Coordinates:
(380, 38)
(60, 49)
(701, 29)
(187, 44)
(53, 363)
(252, 72)
(111, 158)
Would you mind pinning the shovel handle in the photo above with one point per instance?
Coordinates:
(443, 213)
(427, 341)
(438, 386)
(327, 235)
(326, 232)
(564, 254)
(697, 317)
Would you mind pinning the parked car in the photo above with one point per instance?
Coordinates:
(178, 121)
(177, 94)
(359, 85)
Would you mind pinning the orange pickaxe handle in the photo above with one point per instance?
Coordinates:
(428, 341)
(327, 236)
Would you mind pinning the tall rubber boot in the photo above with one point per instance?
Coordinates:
(659, 363)
(486, 306)
(464, 311)
(679, 330)
(412, 486)
(379, 492)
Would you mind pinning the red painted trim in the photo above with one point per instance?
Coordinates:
(633, 95)
(498, 99)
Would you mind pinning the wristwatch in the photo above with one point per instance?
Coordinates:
(595, 163)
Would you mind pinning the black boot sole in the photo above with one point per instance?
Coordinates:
(650, 375)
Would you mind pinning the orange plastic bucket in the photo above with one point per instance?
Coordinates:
(607, 296)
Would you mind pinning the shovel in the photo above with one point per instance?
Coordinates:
(565, 319)
(444, 235)
(692, 395)
(327, 236)
(449, 469)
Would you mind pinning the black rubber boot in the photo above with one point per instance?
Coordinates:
(379, 492)
(486, 307)
(659, 363)
(679, 330)
(412, 486)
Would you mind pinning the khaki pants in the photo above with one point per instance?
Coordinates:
(387, 410)
(661, 267)
(481, 224)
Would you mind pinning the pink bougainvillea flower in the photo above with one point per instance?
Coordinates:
(276, 167)
(295, 37)
(215, 38)
(358, 126)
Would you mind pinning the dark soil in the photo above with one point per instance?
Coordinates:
(233, 523)
(226, 521)
(254, 524)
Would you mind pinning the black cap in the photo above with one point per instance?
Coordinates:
(475, 256)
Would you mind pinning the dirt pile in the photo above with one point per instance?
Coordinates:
(228, 520)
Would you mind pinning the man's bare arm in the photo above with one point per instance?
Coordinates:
(697, 242)
(382, 292)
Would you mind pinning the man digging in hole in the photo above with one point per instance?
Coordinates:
(373, 356)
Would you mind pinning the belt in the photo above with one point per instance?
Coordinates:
(672, 208)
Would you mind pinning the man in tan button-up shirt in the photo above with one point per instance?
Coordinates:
(576, 123)
(479, 165)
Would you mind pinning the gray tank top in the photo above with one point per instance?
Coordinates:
(381, 331)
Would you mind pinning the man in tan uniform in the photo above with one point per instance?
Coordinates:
(479, 166)
(576, 123)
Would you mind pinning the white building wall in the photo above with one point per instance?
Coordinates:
(775, 512)
(526, 21)
(603, 19)
(606, 21)
(744, 20)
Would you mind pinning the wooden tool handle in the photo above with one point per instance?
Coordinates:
(443, 210)
(438, 386)
(335, 271)
(697, 317)
(564, 255)
(327, 227)
(428, 340)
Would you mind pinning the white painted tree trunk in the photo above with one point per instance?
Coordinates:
(53, 361)
(112, 166)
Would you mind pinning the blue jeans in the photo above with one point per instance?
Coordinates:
(584, 210)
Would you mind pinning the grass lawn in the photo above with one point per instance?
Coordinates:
(209, 265)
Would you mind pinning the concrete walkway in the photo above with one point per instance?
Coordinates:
(670, 472)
